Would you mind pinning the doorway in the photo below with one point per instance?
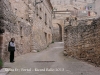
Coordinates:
(57, 33)
(46, 37)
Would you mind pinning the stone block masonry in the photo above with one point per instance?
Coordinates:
(82, 41)
(19, 29)
(19, 19)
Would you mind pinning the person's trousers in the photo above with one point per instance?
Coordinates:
(11, 56)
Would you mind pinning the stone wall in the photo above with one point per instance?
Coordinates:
(20, 20)
(42, 26)
(82, 41)
(15, 27)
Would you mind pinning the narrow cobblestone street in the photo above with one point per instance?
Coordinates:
(53, 58)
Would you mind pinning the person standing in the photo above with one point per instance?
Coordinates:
(11, 49)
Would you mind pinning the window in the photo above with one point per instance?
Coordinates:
(50, 24)
(45, 37)
(40, 9)
(40, 17)
(37, 11)
(40, 14)
(49, 27)
(45, 19)
(15, 8)
(21, 33)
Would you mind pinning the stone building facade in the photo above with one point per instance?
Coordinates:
(71, 9)
(82, 41)
(42, 29)
(29, 22)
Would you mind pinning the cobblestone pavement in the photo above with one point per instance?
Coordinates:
(50, 62)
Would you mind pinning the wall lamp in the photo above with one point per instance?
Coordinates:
(38, 2)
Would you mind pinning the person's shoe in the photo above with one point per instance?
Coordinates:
(13, 61)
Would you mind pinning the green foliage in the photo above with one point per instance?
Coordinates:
(1, 63)
(52, 41)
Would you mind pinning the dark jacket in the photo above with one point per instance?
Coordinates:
(11, 48)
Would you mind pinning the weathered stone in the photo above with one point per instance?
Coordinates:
(34, 51)
(82, 41)
(19, 20)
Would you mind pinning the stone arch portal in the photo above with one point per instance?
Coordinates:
(60, 32)
(57, 33)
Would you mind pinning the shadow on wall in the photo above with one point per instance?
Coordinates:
(1, 40)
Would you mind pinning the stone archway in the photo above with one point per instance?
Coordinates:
(60, 32)
(57, 32)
